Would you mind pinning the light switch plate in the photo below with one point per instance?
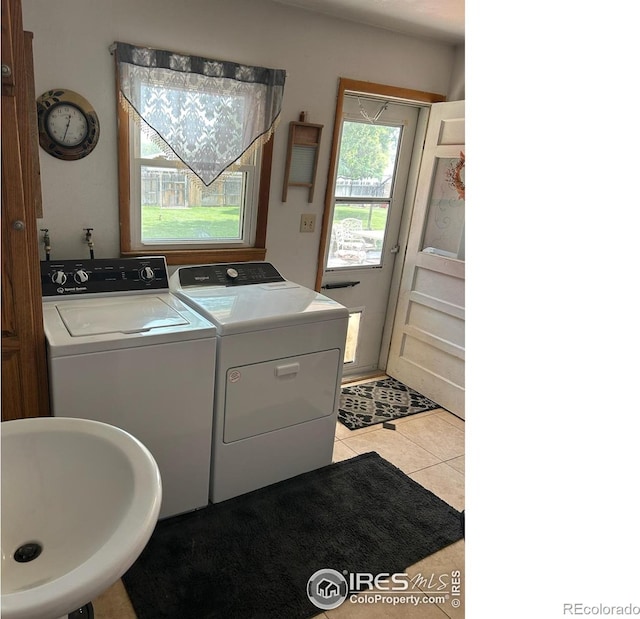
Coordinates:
(307, 222)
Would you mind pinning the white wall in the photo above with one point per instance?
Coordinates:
(71, 40)
(457, 84)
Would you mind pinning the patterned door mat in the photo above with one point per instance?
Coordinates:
(379, 401)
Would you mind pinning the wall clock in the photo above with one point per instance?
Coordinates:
(68, 125)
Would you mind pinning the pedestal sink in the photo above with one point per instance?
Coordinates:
(80, 500)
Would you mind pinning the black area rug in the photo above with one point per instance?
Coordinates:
(252, 556)
(378, 401)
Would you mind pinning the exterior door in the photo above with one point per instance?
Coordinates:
(369, 194)
(427, 344)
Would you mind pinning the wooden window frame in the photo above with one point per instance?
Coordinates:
(190, 256)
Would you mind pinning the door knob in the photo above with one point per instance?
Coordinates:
(18, 225)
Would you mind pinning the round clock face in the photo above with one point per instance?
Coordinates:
(67, 124)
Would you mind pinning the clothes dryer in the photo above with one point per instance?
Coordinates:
(125, 351)
(280, 349)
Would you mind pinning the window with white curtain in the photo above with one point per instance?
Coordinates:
(195, 154)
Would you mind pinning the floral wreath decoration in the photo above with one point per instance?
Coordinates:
(454, 177)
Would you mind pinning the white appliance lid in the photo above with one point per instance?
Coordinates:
(147, 313)
(237, 309)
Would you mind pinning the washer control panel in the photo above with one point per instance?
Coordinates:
(99, 275)
(236, 274)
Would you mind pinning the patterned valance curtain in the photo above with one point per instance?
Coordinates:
(206, 112)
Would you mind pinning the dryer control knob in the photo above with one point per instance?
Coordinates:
(232, 273)
(81, 276)
(58, 277)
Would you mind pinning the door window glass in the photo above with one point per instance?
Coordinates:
(444, 233)
(366, 169)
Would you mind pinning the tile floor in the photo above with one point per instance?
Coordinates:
(429, 448)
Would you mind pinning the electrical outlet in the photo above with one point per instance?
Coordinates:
(307, 222)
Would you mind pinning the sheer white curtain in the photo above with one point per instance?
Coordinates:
(206, 112)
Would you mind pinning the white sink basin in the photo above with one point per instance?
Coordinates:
(80, 500)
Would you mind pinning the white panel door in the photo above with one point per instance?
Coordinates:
(427, 343)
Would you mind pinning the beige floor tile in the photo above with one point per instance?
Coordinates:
(114, 603)
(444, 481)
(444, 561)
(342, 452)
(344, 432)
(434, 434)
(450, 417)
(457, 464)
(438, 570)
(454, 609)
(395, 448)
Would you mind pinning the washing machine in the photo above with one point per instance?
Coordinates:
(125, 351)
(280, 349)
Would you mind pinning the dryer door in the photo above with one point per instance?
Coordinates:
(267, 396)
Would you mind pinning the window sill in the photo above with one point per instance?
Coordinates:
(205, 256)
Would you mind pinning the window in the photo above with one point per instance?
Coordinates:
(177, 208)
(194, 163)
(366, 170)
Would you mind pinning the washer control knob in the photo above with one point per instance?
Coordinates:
(232, 273)
(58, 277)
(147, 274)
(81, 276)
